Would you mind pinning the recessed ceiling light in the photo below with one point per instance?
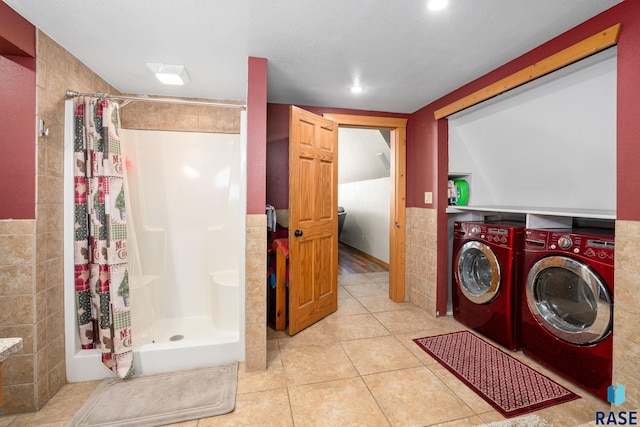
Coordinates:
(169, 74)
(437, 4)
(356, 89)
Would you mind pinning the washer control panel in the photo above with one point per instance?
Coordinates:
(487, 233)
(565, 242)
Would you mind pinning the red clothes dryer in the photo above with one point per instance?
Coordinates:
(486, 263)
(567, 304)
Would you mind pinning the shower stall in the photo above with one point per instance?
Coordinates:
(185, 240)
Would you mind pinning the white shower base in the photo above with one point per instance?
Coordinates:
(170, 344)
(180, 331)
(185, 343)
(85, 365)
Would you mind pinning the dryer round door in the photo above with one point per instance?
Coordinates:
(570, 300)
(478, 272)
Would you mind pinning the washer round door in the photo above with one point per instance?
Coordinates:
(478, 272)
(570, 300)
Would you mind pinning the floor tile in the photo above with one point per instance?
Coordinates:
(491, 417)
(367, 290)
(378, 277)
(380, 303)
(415, 396)
(271, 378)
(192, 423)
(273, 335)
(576, 412)
(343, 293)
(355, 327)
(407, 341)
(351, 279)
(60, 408)
(380, 354)
(350, 306)
(344, 402)
(464, 422)
(403, 321)
(6, 420)
(265, 408)
(321, 333)
(305, 365)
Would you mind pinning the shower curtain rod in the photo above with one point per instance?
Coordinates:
(127, 99)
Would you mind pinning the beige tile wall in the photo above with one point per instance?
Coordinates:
(256, 293)
(421, 255)
(180, 117)
(626, 340)
(18, 302)
(31, 251)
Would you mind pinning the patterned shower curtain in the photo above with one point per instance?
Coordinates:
(100, 258)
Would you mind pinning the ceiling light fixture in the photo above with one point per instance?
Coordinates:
(169, 74)
(356, 89)
(437, 4)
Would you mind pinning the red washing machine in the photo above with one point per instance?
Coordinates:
(486, 264)
(567, 304)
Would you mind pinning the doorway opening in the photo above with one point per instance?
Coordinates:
(397, 202)
(363, 200)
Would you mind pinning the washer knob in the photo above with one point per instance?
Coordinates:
(565, 242)
(475, 230)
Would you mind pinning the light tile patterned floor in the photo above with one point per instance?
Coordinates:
(356, 367)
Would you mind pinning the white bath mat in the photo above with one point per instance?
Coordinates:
(161, 399)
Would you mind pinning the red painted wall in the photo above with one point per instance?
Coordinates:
(278, 147)
(628, 156)
(17, 116)
(256, 135)
(427, 138)
(17, 36)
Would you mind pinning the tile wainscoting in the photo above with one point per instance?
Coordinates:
(421, 256)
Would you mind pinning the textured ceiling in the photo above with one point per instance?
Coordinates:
(404, 55)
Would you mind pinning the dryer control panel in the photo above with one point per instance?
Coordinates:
(600, 245)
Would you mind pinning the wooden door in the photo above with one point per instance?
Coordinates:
(313, 218)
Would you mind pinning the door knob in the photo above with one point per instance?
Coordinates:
(297, 233)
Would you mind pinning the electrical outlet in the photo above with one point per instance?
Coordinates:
(428, 197)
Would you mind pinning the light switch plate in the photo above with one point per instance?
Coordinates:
(428, 197)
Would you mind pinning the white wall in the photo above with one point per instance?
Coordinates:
(366, 226)
(550, 143)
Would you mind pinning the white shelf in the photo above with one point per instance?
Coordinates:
(553, 212)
